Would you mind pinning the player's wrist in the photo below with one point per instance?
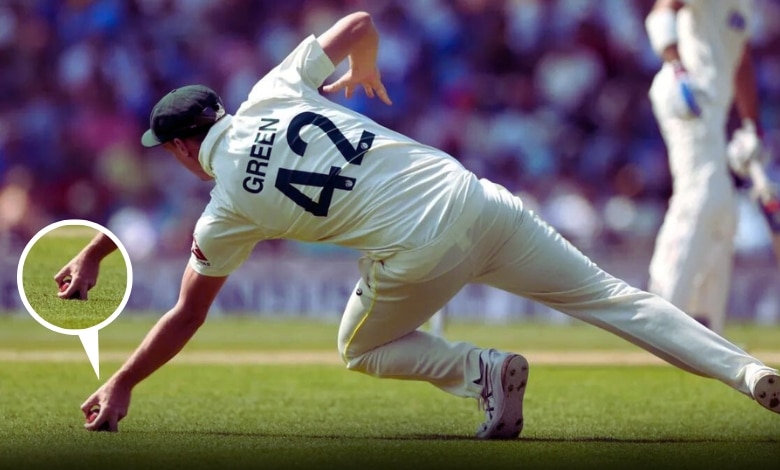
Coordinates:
(123, 380)
(100, 247)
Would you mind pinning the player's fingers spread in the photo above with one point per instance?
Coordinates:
(333, 87)
(377, 88)
(383, 96)
(369, 91)
(338, 85)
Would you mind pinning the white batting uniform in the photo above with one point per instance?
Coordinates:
(290, 164)
(692, 263)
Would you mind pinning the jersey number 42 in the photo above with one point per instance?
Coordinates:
(287, 180)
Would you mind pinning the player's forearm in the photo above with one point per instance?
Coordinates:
(366, 47)
(166, 339)
(173, 330)
(99, 247)
(745, 90)
(353, 36)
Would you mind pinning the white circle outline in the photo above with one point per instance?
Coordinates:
(23, 259)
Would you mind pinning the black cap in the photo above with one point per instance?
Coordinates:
(181, 113)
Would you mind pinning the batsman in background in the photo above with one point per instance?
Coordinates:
(707, 67)
(292, 164)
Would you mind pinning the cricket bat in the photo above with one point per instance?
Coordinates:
(768, 201)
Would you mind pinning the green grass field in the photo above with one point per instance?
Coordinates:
(47, 257)
(261, 414)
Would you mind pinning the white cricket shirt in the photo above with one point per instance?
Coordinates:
(293, 164)
(711, 37)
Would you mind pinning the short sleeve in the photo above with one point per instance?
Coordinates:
(220, 245)
(303, 70)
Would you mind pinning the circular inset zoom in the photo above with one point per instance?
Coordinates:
(50, 296)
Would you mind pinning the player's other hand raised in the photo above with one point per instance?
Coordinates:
(368, 78)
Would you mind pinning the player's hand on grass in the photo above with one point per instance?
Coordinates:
(77, 277)
(106, 407)
(369, 78)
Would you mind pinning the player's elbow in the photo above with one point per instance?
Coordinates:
(362, 19)
(360, 24)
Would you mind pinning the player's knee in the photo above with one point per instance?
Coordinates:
(345, 352)
(349, 344)
(351, 356)
(354, 362)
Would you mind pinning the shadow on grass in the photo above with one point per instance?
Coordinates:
(616, 440)
(445, 437)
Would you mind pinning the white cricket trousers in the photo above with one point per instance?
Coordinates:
(512, 249)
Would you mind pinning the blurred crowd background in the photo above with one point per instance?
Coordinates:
(547, 97)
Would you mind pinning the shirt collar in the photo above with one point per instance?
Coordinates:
(206, 153)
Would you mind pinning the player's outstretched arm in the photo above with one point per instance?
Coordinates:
(160, 345)
(355, 37)
(82, 271)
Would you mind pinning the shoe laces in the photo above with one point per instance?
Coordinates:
(485, 401)
(486, 405)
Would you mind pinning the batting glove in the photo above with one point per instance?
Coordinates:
(744, 147)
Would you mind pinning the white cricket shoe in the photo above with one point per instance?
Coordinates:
(503, 378)
(766, 391)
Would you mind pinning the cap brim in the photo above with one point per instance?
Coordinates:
(149, 140)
